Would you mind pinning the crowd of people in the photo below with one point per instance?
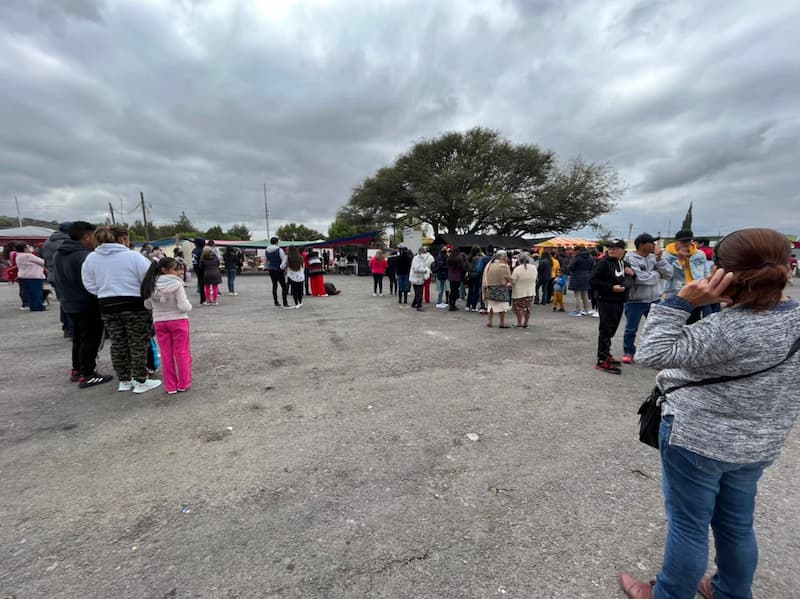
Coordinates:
(716, 437)
(604, 284)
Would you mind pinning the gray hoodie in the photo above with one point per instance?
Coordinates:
(648, 275)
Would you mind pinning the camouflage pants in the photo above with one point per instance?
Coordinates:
(130, 337)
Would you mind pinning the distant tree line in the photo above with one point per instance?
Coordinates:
(183, 227)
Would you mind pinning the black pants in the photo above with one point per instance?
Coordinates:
(454, 286)
(392, 284)
(610, 316)
(543, 286)
(377, 283)
(297, 291)
(306, 282)
(417, 301)
(198, 273)
(278, 278)
(87, 334)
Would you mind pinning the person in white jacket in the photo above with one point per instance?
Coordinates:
(114, 274)
(420, 272)
(164, 294)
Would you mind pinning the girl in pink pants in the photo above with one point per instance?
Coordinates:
(164, 294)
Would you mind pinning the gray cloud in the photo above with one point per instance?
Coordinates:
(198, 103)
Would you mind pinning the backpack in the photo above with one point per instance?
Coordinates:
(330, 289)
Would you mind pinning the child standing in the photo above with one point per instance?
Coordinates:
(559, 289)
(212, 276)
(164, 294)
(295, 273)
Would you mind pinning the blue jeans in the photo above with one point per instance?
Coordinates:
(403, 286)
(633, 316)
(231, 279)
(474, 294)
(698, 492)
(34, 293)
(442, 288)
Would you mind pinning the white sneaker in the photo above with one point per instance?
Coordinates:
(374, 295)
(594, 314)
(381, 295)
(125, 386)
(441, 305)
(145, 386)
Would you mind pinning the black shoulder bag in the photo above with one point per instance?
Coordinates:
(650, 410)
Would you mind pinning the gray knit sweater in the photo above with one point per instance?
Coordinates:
(741, 421)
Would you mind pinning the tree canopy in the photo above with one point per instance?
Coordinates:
(295, 232)
(478, 182)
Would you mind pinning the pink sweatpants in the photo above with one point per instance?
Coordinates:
(176, 354)
(212, 293)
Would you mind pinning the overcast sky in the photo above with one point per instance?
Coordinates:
(199, 103)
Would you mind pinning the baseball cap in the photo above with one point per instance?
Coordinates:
(644, 238)
(684, 235)
(64, 227)
(618, 243)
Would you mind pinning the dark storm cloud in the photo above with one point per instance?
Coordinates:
(198, 103)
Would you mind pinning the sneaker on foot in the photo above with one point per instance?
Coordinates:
(607, 366)
(576, 313)
(613, 360)
(74, 376)
(441, 305)
(146, 386)
(125, 386)
(95, 379)
(627, 359)
(374, 295)
(171, 392)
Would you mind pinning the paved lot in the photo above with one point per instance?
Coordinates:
(324, 452)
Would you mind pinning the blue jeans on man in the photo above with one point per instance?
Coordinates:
(700, 492)
(634, 311)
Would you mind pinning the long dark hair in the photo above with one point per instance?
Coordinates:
(156, 269)
(293, 259)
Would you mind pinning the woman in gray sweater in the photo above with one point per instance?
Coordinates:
(716, 440)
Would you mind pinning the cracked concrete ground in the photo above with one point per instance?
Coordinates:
(323, 452)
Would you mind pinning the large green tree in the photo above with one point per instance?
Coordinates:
(238, 233)
(295, 232)
(478, 182)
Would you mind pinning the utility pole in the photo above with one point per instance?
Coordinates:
(121, 210)
(144, 218)
(19, 218)
(266, 209)
(111, 210)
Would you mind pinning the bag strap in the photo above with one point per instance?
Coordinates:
(726, 379)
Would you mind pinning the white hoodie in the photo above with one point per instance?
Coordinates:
(169, 301)
(112, 270)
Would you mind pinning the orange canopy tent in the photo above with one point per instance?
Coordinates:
(566, 242)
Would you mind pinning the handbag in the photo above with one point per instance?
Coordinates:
(650, 410)
(497, 293)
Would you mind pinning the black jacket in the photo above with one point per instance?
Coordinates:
(404, 263)
(74, 297)
(544, 269)
(607, 273)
